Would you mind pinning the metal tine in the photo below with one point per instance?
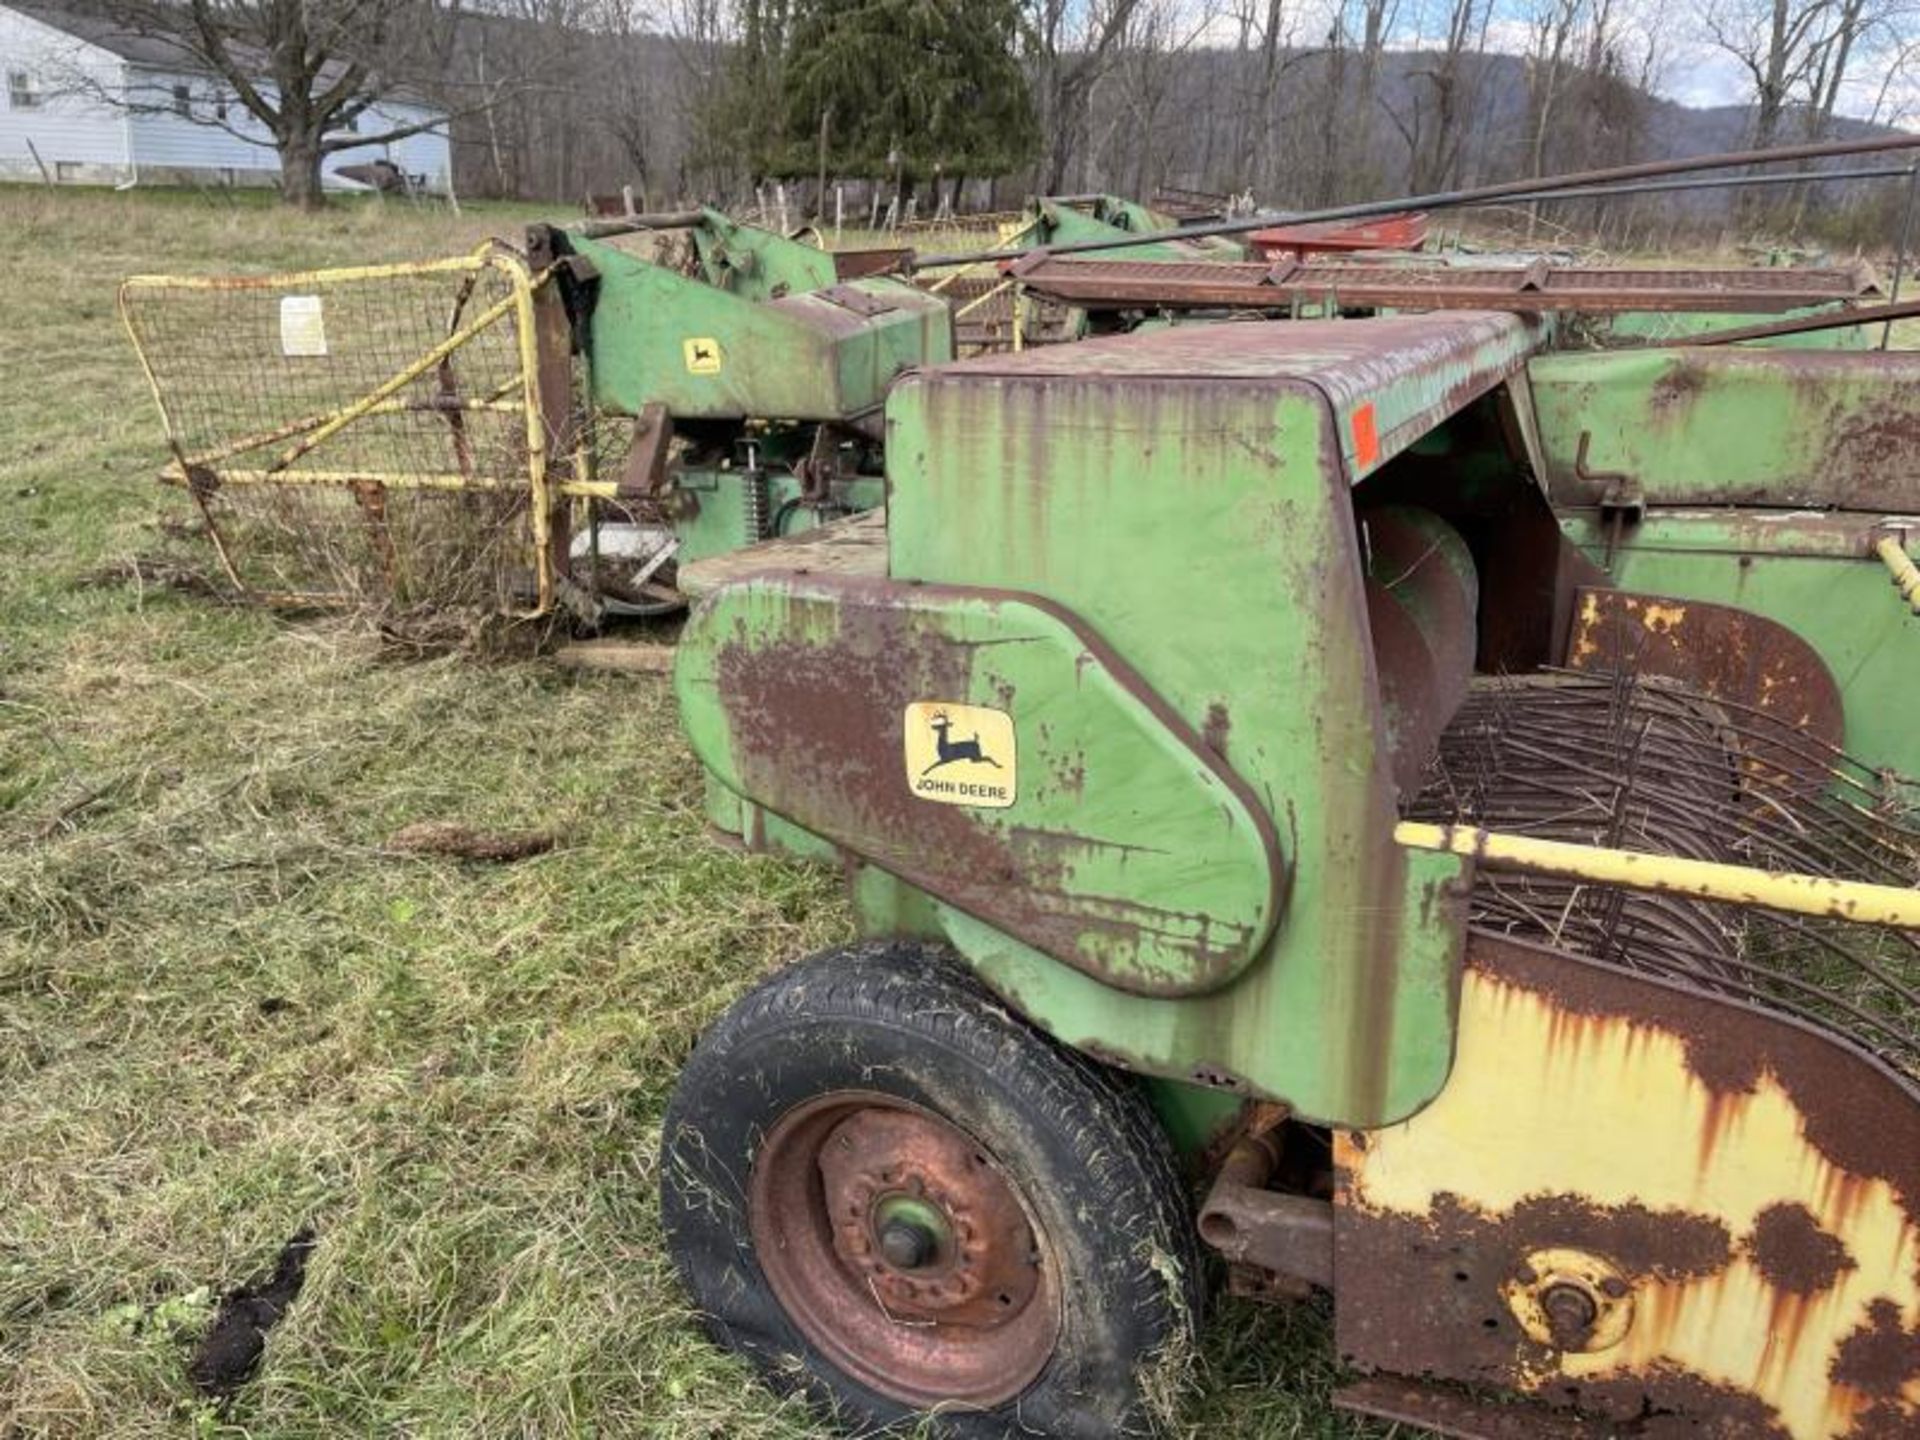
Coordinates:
(1611, 759)
(1807, 932)
(1870, 839)
(1683, 961)
(1773, 731)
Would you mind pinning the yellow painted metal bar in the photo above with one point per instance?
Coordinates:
(1850, 900)
(1906, 575)
(386, 407)
(479, 259)
(524, 284)
(978, 301)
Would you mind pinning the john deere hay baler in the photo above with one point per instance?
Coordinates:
(1278, 837)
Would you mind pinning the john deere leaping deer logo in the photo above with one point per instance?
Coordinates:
(960, 754)
(702, 354)
(951, 750)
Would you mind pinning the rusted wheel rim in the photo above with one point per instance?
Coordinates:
(901, 1251)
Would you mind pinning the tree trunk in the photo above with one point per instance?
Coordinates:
(300, 171)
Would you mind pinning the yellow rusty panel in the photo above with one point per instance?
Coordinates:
(1544, 1101)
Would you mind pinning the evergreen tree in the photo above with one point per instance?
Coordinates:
(916, 85)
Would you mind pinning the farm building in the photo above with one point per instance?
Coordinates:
(89, 104)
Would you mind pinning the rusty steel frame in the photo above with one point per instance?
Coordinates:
(1535, 288)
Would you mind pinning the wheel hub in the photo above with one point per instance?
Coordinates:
(902, 1252)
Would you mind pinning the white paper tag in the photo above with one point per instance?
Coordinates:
(303, 326)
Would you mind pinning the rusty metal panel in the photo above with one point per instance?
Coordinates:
(1814, 574)
(1389, 381)
(988, 749)
(1063, 473)
(1459, 1416)
(1635, 1198)
(1729, 654)
(1777, 428)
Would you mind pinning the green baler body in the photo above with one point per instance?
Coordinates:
(1073, 487)
(768, 334)
(1055, 223)
(756, 337)
(1200, 882)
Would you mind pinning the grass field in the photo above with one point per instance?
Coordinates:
(228, 1013)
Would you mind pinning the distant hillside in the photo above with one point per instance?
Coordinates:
(641, 110)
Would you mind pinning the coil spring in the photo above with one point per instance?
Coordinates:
(753, 506)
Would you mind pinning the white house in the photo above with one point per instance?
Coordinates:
(88, 104)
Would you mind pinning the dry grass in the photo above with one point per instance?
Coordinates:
(228, 1009)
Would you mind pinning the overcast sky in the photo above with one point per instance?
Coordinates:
(1693, 71)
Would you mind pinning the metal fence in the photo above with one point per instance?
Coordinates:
(369, 437)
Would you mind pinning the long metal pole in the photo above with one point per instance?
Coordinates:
(1809, 324)
(1722, 182)
(1448, 199)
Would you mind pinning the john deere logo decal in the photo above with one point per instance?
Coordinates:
(702, 354)
(960, 754)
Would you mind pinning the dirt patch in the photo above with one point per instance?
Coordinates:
(449, 837)
(155, 572)
(230, 1351)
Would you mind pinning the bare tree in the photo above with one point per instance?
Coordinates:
(308, 71)
(1441, 109)
(1552, 55)
(1778, 44)
(1140, 133)
(1074, 42)
(1379, 21)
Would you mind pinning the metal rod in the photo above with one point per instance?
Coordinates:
(1724, 182)
(1849, 900)
(1448, 199)
(1900, 256)
(1808, 324)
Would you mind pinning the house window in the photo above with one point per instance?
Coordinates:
(220, 108)
(22, 93)
(183, 101)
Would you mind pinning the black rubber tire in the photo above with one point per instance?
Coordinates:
(1078, 1139)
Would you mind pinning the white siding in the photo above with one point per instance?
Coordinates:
(163, 139)
(70, 126)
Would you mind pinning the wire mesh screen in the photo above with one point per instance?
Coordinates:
(356, 437)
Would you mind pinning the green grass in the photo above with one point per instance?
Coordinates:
(226, 1012)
